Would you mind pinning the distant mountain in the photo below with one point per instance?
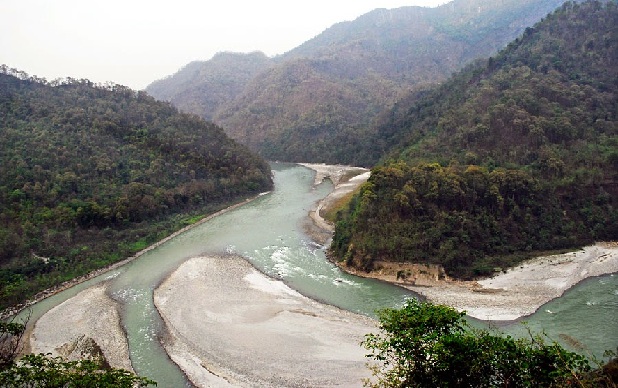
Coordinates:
(318, 101)
(91, 174)
(511, 156)
(202, 87)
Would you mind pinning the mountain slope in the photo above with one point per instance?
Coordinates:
(513, 155)
(201, 87)
(318, 102)
(91, 174)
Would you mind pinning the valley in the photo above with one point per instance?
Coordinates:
(248, 277)
(210, 230)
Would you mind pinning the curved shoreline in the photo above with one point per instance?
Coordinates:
(256, 331)
(506, 297)
(205, 365)
(13, 311)
(320, 229)
(518, 293)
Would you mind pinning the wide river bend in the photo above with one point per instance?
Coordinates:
(269, 233)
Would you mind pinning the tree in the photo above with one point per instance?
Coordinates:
(42, 370)
(103, 167)
(426, 345)
(39, 370)
(11, 334)
(506, 160)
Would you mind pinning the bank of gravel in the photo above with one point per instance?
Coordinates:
(91, 314)
(519, 292)
(345, 180)
(230, 325)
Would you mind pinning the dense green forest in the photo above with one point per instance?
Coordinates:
(90, 174)
(514, 154)
(318, 101)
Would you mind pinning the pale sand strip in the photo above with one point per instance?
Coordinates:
(529, 286)
(507, 296)
(343, 185)
(9, 312)
(230, 324)
(91, 313)
(519, 292)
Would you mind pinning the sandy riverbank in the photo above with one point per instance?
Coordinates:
(508, 296)
(250, 330)
(345, 180)
(519, 292)
(91, 314)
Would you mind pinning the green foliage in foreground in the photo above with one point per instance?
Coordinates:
(425, 345)
(38, 370)
(44, 371)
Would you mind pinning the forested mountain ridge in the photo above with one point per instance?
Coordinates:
(512, 155)
(318, 101)
(202, 87)
(552, 87)
(91, 174)
(412, 32)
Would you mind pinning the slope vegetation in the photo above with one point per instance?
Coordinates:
(91, 174)
(202, 87)
(318, 101)
(513, 155)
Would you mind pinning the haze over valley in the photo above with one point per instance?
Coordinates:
(320, 101)
(311, 185)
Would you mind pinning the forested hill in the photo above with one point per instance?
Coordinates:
(516, 154)
(91, 174)
(203, 87)
(318, 102)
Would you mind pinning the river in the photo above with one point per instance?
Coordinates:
(269, 233)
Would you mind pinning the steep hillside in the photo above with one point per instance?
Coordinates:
(319, 101)
(91, 174)
(516, 154)
(202, 87)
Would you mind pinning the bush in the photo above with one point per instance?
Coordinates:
(426, 345)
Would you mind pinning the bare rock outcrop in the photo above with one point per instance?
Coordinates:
(82, 348)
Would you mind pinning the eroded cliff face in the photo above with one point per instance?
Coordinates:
(413, 274)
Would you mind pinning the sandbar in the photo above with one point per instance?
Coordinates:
(90, 314)
(230, 325)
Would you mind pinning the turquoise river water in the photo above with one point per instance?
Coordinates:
(269, 233)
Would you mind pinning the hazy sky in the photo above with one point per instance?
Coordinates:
(134, 42)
